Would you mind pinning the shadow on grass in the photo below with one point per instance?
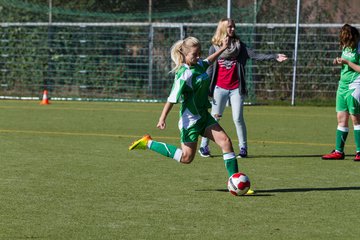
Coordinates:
(268, 192)
(279, 156)
(281, 190)
(225, 190)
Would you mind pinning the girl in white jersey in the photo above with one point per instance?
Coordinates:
(348, 92)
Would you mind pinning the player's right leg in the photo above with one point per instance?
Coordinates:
(167, 150)
(141, 143)
(184, 155)
(342, 128)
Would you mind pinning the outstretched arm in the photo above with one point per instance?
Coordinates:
(261, 57)
(162, 120)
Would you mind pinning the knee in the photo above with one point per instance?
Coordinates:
(186, 159)
(226, 143)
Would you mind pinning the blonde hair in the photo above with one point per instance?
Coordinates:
(180, 49)
(221, 31)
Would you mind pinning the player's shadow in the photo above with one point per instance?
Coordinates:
(286, 190)
(288, 156)
(270, 192)
(225, 190)
(279, 156)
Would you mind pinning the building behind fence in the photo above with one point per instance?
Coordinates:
(130, 61)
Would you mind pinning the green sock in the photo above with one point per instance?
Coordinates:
(357, 137)
(166, 150)
(231, 163)
(341, 135)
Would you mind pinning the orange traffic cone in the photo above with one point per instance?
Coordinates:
(45, 99)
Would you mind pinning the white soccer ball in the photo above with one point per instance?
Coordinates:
(238, 184)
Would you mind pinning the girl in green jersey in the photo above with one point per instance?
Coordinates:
(191, 89)
(348, 92)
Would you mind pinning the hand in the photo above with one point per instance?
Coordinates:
(343, 61)
(225, 42)
(281, 57)
(161, 124)
(339, 61)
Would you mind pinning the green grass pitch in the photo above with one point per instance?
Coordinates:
(66, 173)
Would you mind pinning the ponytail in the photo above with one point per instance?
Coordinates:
(180, 49)
(176, 55)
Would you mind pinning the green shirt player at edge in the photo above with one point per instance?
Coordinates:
(348, 92)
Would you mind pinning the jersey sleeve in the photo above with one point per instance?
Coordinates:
(260, 56)
(181, 80)
(205, 63)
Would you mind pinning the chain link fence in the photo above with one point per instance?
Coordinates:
(130, 61)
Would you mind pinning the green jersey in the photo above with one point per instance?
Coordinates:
(348, 75)
(191, 89)
(348, 93)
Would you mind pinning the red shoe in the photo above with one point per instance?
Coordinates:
(357, 157)
(335, 155)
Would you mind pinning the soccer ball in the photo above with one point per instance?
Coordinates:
(238, 184)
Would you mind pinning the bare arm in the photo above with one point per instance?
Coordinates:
(262, 57)
(340, 61)
(215, 55)
(162, 120)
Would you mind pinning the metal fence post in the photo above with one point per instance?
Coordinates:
(151, 44)
(295, 53)
(229, 9)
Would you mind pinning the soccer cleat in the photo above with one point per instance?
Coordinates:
(357, 157)
(243, 153)
(250, 192)
(141, 143)
(334, 155)
(204, 151)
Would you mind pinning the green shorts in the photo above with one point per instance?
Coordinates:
(348, 100)
(192, 133)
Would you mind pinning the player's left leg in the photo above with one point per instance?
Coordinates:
(217, 134)
(357, 141)
(356, 122)
(354, 110)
